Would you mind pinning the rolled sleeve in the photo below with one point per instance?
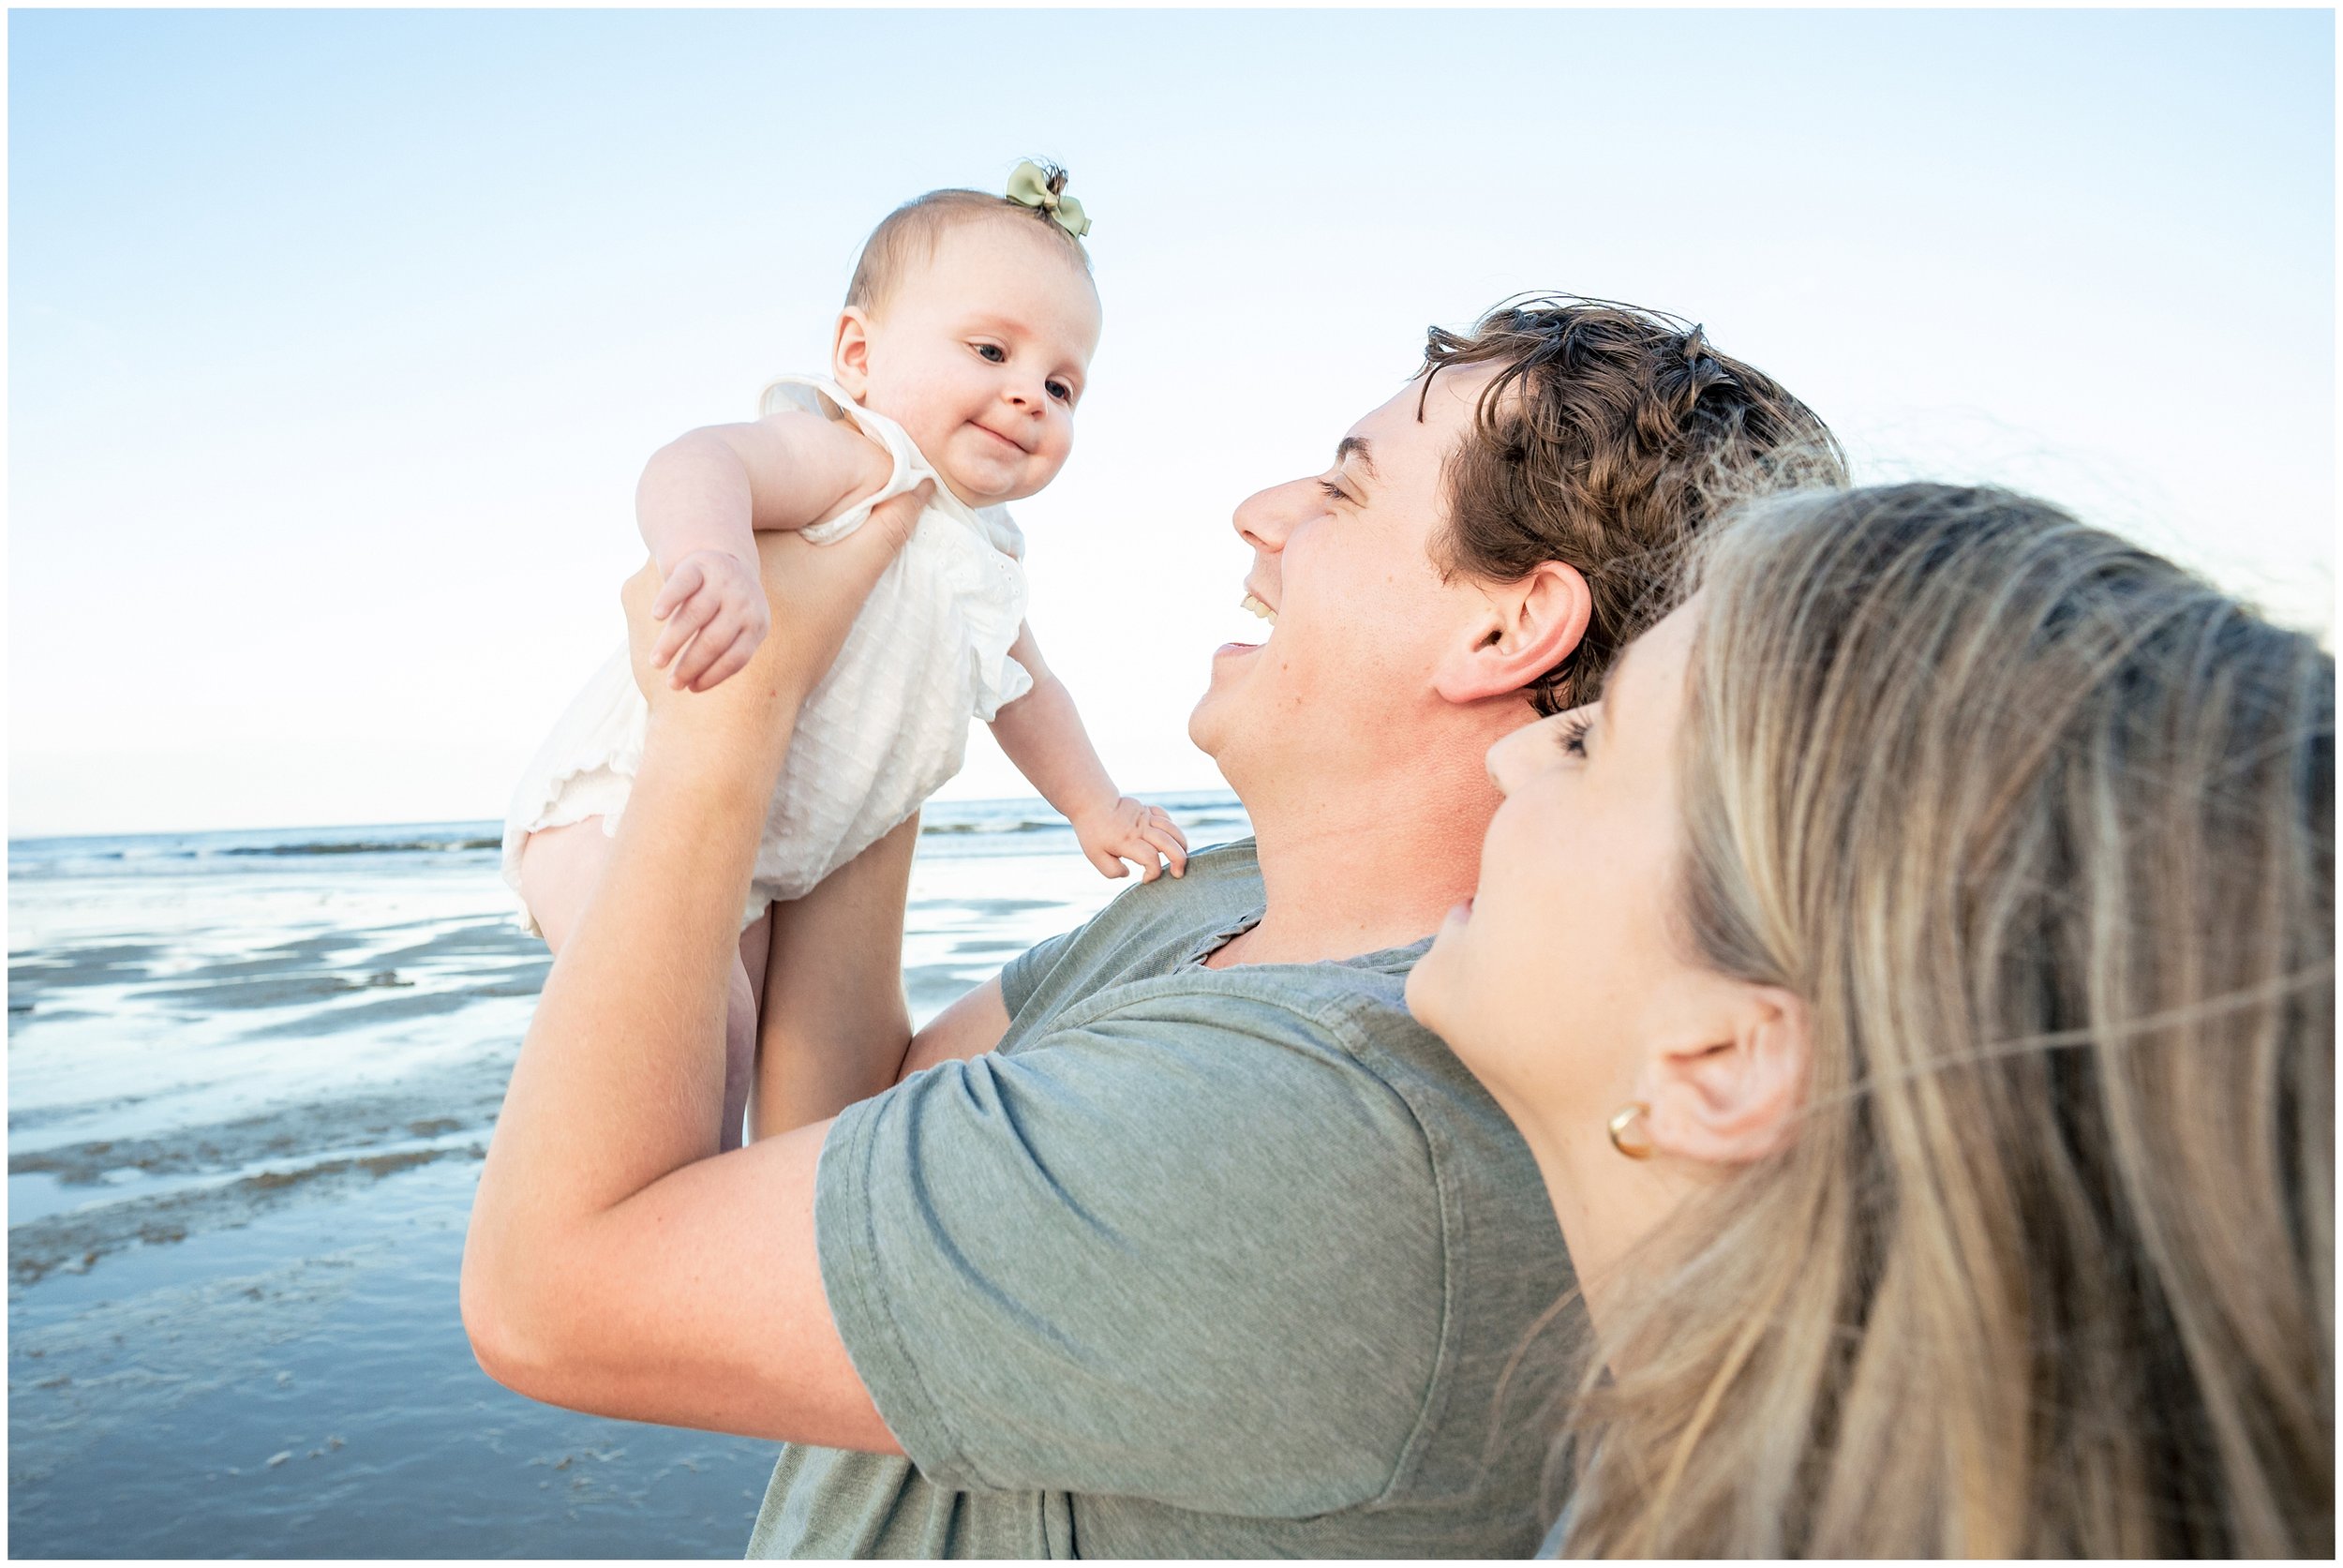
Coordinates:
(1154, 1256)
(1023, 974)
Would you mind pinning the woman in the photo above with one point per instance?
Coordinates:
(1931, 1057)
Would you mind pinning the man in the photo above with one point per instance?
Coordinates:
(1192, 1242)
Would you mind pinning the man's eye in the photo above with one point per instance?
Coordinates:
(992, 351)
(1331, 490)
(1060, 391)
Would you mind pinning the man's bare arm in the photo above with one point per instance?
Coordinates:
(616, 1262)
(969, 1027)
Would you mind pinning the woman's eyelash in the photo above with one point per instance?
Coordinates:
(1571, 735)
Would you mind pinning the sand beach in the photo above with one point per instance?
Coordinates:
(251, 1078)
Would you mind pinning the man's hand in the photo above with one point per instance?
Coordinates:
(1129, 831)
(812, 590)
(716, 617)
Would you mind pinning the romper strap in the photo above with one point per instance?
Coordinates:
(819, 394)
(823, 397)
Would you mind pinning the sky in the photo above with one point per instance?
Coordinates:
(337, 340)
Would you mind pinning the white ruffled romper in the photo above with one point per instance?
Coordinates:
(889, 723)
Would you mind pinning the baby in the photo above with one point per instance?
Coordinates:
(956, 365)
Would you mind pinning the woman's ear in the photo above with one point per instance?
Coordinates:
(850, 352)
(1525, 629)
(1732, 1100)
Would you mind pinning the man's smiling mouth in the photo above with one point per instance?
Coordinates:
(1258, 605)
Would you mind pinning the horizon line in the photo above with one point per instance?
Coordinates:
(1158, 795)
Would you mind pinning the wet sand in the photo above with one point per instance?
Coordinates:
(247, 1114)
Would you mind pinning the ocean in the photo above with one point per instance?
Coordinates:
(251, 1077)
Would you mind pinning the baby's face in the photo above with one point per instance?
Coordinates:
(980, 354)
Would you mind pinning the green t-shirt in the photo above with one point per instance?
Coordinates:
(1198, 1262)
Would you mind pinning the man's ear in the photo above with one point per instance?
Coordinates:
(850, 352)
(1732, 1100)
(1526, 628)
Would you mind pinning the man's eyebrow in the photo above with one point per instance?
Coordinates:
(1356, 446)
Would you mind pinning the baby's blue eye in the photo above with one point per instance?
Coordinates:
(993, 352)
(1060, 391)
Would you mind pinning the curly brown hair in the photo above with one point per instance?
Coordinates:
(1609, 437)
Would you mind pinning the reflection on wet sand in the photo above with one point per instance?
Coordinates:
(78, 1240)
(251, 1078)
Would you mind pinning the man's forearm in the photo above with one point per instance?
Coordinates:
(621, 1077)
(617, 1263)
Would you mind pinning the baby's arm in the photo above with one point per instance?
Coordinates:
(1044, 737)
(700, 501)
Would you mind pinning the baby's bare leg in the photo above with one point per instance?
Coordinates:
(560, 867)
(835, 1023)
(740, 1016)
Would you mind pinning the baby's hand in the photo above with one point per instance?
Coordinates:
(714, 601)
(1128, 830)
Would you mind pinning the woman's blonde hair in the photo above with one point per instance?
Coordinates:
(2040, 828)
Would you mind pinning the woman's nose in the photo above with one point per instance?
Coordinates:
(1505, 759)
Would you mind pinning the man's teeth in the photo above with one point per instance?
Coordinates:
(1253, 603)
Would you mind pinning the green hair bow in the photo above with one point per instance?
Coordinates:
(1028, 186)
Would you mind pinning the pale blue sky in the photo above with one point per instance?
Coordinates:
(337, 339)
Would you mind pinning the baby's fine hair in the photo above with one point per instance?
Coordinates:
(910, 231)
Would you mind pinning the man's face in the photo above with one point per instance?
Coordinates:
(1360, 618)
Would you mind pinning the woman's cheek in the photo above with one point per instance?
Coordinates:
(1539, 940)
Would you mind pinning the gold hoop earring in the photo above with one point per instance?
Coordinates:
(1623, 1122)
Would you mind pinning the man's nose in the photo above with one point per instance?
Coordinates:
(1264, 519)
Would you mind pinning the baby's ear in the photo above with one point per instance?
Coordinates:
(850, 352)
